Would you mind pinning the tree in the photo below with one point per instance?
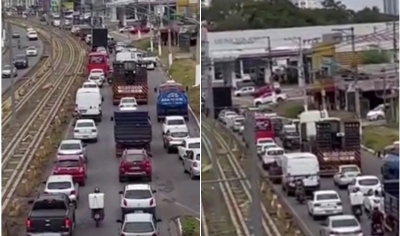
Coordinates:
(375, 57)
(263, 14)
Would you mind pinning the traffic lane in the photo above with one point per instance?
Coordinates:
(176, 192)
(370, 164)
(6, 83)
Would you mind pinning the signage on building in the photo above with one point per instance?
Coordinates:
(239, 41)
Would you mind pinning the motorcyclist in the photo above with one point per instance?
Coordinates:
(300, 192)
(96, 204)
(19, 44)
(356, 200)
(377, 218)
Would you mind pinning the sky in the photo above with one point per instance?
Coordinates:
(359, 5)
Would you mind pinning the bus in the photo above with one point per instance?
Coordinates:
(97, 60)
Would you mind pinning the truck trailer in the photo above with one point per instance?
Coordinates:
(172, 100)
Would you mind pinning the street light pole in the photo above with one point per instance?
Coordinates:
(12, 71)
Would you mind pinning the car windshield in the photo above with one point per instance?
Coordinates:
(179, 134)
(327, 196)
(84, 124)
(134, 157)
(31, 48)
(175, 122)
(344, 223)
(70, 146)
(138, 227)
(275, 152)
(128, 100)
(350, 169)
(94, 77)
(378, 108)
(59, 185)
(96, 72)
(368, 182)
(90, 85)
(194, 145)
(138, 194)
(239, 121)
(68, 163)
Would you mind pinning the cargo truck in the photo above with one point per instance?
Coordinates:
(333, 141)
(129, 79)
(132, 129)
(390, 174)
(172, 100)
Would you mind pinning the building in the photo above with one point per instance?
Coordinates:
(391, 7)
(307, 4)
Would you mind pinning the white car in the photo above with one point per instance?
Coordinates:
(96, 78)
(341, 225)
(269, 98)
(32, 35)
(262, 148)
(135, 224)
(127, 102)
(378, 113)
(229, 117)
(150, 60)
(364, 183)
(245, 91)
(72, 147)
(136, 198)
(345, 175)
(9, 71)
(91, 85)
(188, 144)
(99, 72)
(325, 203)
(173, 122)
(174, 138)
(31, 51)
(126, 29)
(62, 184)
(270, 155)
(120, 46)
(191, 163)
(374, 198)
(29, 29)
(261, 141)
(85, 129)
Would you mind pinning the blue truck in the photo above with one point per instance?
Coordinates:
(172, 100)
(132, 129)
(390, 174)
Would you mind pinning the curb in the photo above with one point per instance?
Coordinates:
(179, 224)
(368, 150)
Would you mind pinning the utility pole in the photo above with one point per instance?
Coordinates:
(11, 62)
(52, 56)
(255, 209)
(300, 70)
(169, 37)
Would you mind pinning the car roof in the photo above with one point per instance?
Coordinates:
(341, 217)
(84, 120)
(366, 177)
(137, 187)
(67, 141)
(138, 217)
(299, 154)
(59, 178)
(174, 117)
(325, 192)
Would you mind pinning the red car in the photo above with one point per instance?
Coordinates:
(71, 165)
(266, 89)
(135, 163)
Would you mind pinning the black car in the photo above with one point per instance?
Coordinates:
(21, 62)
(16, 36)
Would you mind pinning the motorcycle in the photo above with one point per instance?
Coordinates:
(300, 198)
(377, 230)
(357, 212)
(98, 215)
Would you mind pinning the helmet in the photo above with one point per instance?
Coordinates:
(97, 190)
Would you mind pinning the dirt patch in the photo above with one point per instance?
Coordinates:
(379, 137)
(190, 226)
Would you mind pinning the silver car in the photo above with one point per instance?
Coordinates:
(72, 147)
(191, 163)
(345, 175)
(143, 224)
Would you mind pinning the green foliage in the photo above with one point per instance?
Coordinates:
(261, 14)
(189, 226)
(375, 57)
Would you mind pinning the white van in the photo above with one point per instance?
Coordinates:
(300, 166)
(88, 103)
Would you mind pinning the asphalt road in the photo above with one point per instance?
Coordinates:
(6, 83)
(370, 166)
(176, 193)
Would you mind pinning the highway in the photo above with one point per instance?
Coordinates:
(370, 166)
(176, 194)
(6, 83)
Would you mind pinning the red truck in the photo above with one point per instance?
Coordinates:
(97, 60)
(264, 127)
(129, 79)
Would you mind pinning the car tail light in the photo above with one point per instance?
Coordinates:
(94, 131)
(169, 139)
(194, 164)
(122, 235)
(28, 223)
(124, 203)
(317, 205)
(55, 170)
(45, 192)
(151, 202)
(339, 203)
(67, 223)
(73, 192)
(81, 170)
(155, 234)
(79, 153)
(146, 164)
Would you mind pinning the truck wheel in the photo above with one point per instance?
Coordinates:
(187, 118)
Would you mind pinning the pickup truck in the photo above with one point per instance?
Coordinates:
(51, 213)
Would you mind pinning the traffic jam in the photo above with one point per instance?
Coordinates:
(117, 74)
